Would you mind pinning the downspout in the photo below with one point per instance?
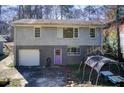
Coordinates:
(101, 38)
(14, 47)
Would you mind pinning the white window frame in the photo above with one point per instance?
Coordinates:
(34, 31)
(73, 32)
(73, 54)
(95, 32)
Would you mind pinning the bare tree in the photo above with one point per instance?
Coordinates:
(48, 11)
(0, 12)
(66, 11)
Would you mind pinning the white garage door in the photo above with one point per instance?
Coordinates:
(29, 57)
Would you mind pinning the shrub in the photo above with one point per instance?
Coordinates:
(73, 66)
(4, 81)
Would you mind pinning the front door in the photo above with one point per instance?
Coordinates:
(57, 56)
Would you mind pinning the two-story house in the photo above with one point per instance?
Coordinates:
(63, 41)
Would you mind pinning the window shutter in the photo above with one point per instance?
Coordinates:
(75, 32)
(59, 33)
(40, 31)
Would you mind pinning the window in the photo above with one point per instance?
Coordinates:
(70, 32)
(37, 32)
(92, 32)
(73, 51)
(76, 32)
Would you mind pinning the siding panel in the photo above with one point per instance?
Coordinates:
(59, 33)
(25, 36)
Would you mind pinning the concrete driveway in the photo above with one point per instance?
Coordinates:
(37, 77)
(33, 77)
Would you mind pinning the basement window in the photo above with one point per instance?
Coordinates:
(37, 32)
(73, 51)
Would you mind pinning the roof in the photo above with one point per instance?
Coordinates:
(2, 39)
(54, 22)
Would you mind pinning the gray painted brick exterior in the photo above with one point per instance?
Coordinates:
(25, 36)
(24, 39)
(48, 51)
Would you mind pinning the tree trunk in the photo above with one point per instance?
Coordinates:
(118, 35)
(19, 12)
(0, 13)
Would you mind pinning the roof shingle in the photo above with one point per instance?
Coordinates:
(54, 22)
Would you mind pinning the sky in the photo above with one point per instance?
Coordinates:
(8, 16)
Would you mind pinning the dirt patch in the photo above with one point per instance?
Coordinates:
(37, 77)
(65, 76)
(75, 78)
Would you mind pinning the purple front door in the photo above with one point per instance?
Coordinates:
(57, 56)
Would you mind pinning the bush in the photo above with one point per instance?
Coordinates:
(4, 82)
(15, 83)
(110, 42)
(73, 66)
(11, 65)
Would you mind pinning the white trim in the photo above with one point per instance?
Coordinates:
(34, 31)
(15, 44)
(73, 33)
(75, 26)
(59, 33)
(89, 33)
(38, 51)
(72, 53)
(60, 55)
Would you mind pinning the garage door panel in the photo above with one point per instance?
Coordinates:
(29, 57)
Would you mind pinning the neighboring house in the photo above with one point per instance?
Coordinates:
(2, 40)
(63, 41)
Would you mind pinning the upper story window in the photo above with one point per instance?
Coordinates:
(92, 32)
(37, 32)
(70, 32)
(75, 32)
